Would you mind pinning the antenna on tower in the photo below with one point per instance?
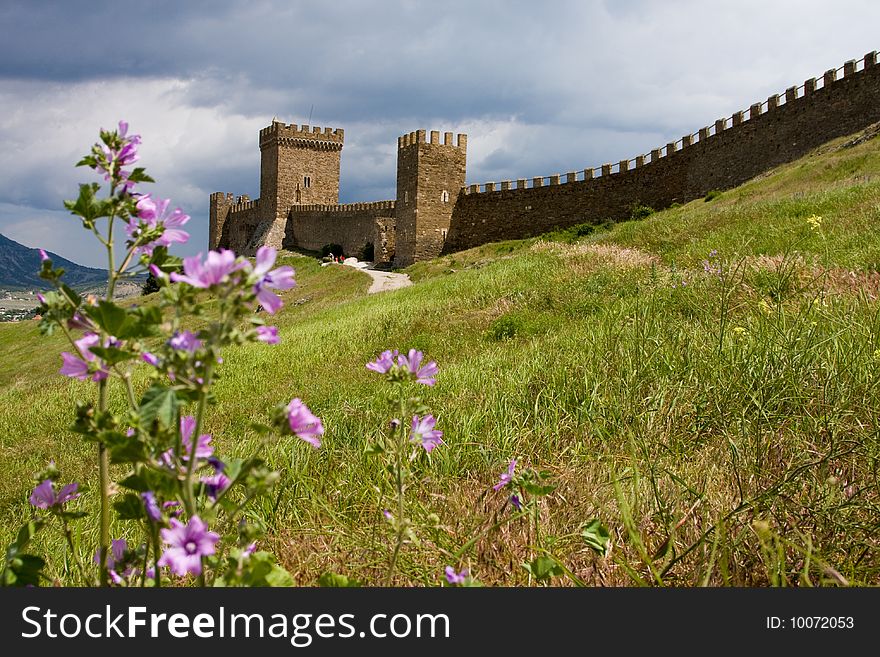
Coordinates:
(310, 114)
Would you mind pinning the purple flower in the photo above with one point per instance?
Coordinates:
(151, 506)
(216, 484)
(187, 544)
(115, 159)
(249, 550)
(455, 578)
(424, 433)
(304, 423)
(45, 497)
(43, 256)
(185, 341)
(203, 447)
(116, 556)
(423, 373)
(77, 367)
(506, 477)
(384, 362)
(173, 508)
(150, 359)
(268, 334)
(280, 279)
(152, 215)
(216, 269)
(517, 503)
(77, 321)
(387, 514)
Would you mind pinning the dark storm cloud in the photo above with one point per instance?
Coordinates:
(540, 88)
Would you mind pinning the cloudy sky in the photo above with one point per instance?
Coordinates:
(540, 87)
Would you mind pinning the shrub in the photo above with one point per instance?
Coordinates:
(640, 211)
(712, 195)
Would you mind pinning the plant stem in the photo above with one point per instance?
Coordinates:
(399, 456)
(73, 553)
(104, 478)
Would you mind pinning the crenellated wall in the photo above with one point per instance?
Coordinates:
(435, 212)
(720, 156)
(353, 226)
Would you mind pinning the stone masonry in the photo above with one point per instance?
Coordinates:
(435, 212)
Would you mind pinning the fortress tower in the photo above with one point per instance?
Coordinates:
(429, 178)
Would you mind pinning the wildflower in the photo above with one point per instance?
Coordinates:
(185, 341)
(203, 449)
(187, 545)
(79, 368)
(77, 321)
(815, 222)
(150, 359)
(423, 373)
(765, 307)
(268, 334)
(384, 362)
(517, 503)
(112, 160)
(151, 506)
(45, 497)
(304, 424)
(455, 578)
(739, 331)
(43, 256)
(216, 269)
(153, 215)
(387, 514)
(215, 485)
(713, 253)
(115, 557)
(280, 278)
(424, 433)
(506, 477)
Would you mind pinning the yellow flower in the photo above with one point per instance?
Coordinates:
(739, 330)
(765, 307)
(815, 222)
(877, 355)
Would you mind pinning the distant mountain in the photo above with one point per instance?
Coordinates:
(20, 266)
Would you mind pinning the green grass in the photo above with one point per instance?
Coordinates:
(725, 429)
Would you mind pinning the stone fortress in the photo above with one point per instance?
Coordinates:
(435, 212)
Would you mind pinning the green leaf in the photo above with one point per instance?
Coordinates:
(112, 355)
(543, 568)
(335, 580)
(537, 489)
(596, 536)
(130, 507)
(159, 404)
(279, 577)
(87, 206)
(108, 316)
(139, 176)
(24, 570)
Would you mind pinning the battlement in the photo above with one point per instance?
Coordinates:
(420, 137)
(704, 134)
(303, 136)
(344, 207)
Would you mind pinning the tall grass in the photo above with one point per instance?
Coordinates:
(721, 421)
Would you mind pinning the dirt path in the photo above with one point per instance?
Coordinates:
(383, 281)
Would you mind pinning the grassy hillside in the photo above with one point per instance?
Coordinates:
(718, 413)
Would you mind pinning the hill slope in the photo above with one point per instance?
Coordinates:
(705, 382)
(19, 267)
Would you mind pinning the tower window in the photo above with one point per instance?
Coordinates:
(307, 181)
(406, 197)
(444, 196)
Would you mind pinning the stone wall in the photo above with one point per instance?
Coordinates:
(429, 176)
(310, 227)
(720, 156)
